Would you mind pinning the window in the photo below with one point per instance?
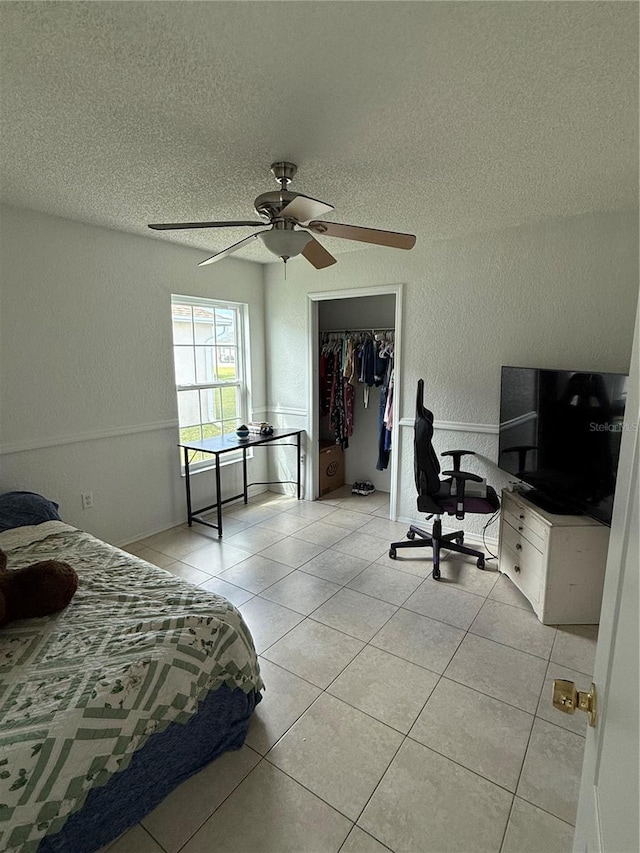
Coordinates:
(210, 367)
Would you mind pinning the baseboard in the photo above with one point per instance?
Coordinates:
(253, 491)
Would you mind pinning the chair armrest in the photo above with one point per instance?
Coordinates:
(462, 475)
(456, 456)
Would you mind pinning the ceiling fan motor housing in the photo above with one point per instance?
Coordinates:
(270, 204)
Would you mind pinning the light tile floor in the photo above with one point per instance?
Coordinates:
(400, 713)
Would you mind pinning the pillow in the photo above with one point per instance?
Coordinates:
(18, 509)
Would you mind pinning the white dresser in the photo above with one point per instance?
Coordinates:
(556, 561)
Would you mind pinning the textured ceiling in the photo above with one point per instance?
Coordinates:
(438, 118)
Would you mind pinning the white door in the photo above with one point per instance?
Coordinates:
(607, 819)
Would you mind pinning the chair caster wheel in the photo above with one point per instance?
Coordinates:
(392, 553)
(411, 535)
(435, 574)
(459, 540)
(480, 563)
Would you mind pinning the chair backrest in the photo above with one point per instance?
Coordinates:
(426, 465)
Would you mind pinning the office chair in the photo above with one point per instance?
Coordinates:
(434, 494)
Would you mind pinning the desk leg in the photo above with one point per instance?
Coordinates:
(244, 474)
(188, 486)
(299, 466)
(218, 495)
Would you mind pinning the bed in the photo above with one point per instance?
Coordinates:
(108, 705)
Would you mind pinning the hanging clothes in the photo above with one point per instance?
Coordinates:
(348, 359)
(324, 383)
(367, 367)
(385, 418)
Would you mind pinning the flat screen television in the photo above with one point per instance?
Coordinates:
(560, 432)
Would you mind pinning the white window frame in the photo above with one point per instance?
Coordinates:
(242, 372)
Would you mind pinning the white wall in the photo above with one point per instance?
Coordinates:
(86, 369)
(558, 293)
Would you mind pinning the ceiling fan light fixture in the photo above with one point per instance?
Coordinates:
(285, 244)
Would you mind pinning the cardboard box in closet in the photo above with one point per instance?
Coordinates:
(331, 460)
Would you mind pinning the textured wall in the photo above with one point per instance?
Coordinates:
(560, 293)
(86, 352)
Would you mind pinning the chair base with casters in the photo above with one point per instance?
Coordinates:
(436, 539)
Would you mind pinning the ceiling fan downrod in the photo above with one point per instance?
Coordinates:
(283, 172)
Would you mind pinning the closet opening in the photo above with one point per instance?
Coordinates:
(354, 388)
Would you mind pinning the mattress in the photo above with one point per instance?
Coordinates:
(88, 696)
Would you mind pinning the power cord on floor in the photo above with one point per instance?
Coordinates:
(493, 518)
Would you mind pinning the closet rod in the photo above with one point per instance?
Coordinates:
(345, 331)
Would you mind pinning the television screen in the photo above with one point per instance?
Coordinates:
(560, 432)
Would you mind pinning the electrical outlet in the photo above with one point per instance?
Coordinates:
(87, 500)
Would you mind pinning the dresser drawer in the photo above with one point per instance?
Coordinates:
(528, 555)
(526, 523)
(528, 581)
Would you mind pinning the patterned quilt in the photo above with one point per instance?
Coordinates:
(82, 690)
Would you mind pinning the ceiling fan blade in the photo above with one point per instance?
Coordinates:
(317, 255)
(234, 248)
(394, 239)
(303, 208)
(167, 226)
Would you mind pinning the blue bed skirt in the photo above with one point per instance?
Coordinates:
(166, 760)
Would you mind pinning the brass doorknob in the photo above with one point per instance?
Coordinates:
(567, 699)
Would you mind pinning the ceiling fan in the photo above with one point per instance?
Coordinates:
(287, 220)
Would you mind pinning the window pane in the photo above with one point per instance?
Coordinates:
(227, 363)
(230, 426)
(210, 405)
(185, 369)
(204, 324)
(205, 364)
(192, 433)
(194, 456)
(212, 430)
(226, 327)
(182, 324)
(188, 408)
(230, 403)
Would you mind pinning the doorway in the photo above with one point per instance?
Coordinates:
(347, 310)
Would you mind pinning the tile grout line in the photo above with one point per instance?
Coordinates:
(366, 644)
(182, 846)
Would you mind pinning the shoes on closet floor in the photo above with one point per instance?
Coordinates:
(366, 488)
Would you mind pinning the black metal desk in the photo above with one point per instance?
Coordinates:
(227, 444)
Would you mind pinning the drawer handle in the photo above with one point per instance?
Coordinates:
(518, 547)
(516, 569)
(521, 516)
(521, 527)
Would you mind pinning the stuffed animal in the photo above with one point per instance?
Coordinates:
(37, 590)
